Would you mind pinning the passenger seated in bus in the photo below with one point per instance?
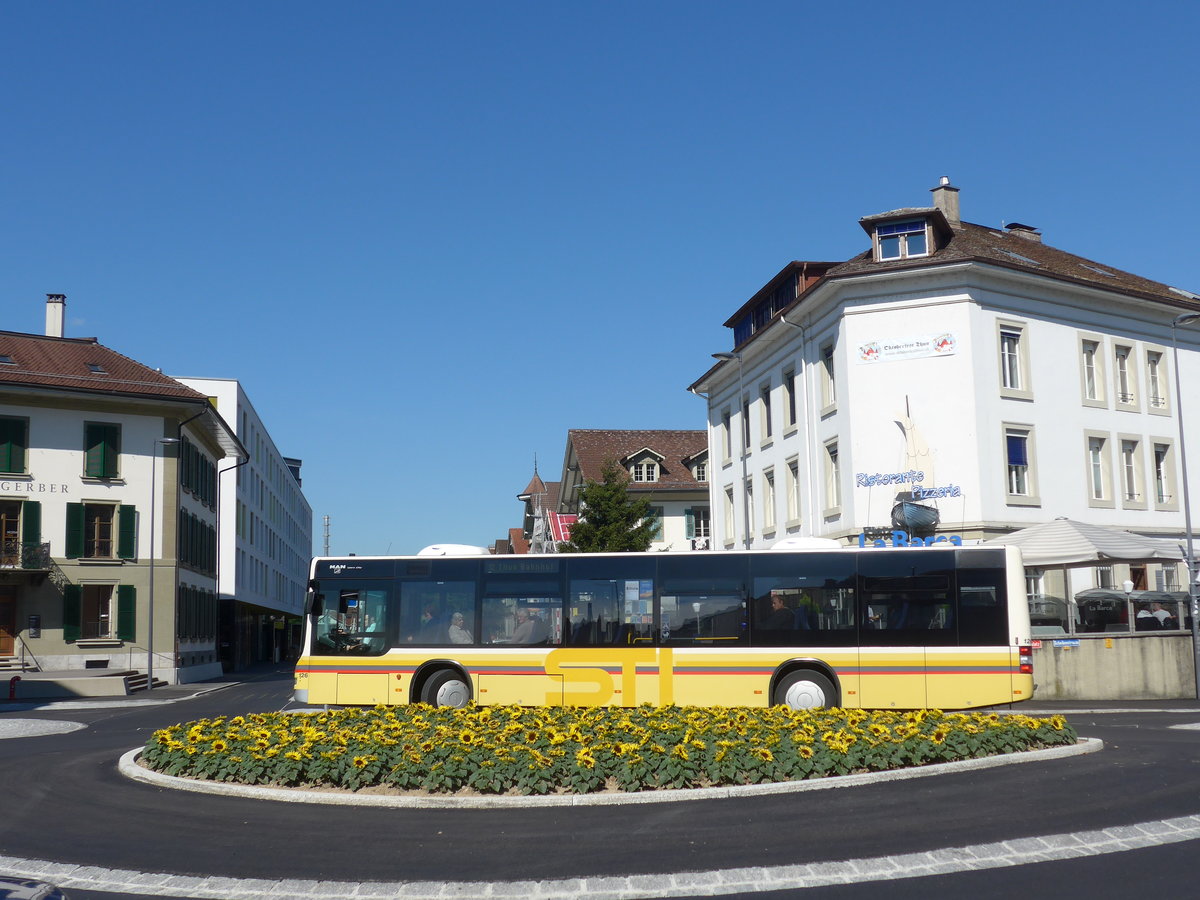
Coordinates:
(780, 617)
(526, 628)
(458, 634)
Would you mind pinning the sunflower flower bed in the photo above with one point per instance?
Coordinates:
(509, 749)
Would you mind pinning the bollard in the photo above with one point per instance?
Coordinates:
(12, 687)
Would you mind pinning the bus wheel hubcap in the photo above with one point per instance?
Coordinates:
(805, 695)
(452, 693)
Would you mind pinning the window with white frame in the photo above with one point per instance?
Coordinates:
(1098, 477)
(768, 501)
(833, 481)
(1033, 584)
(1019, 458)
(764, 395)
(700, 472)
(1166, 578)
(1164, 475)
(750, 518)
(828, 379)
(789, 398)
(1126, 380)
(97, 620)
(730, 526)
(745, 424)
(1093, 372)
(1105, 579)
(902, 240)
(1131, 472)
(645, 471)
(1012, 369)
(726, 448)
(1156, 382)
(701, 522)
(793, 490)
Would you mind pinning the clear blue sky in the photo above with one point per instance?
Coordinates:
(430, 238)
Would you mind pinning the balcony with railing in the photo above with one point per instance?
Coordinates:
(30, 555)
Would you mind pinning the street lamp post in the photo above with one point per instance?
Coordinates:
(1187, 319)
(745, 425)
(150, 603)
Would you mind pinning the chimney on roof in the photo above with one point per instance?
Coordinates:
(945, 198)
(56, 309)
(1026, 231)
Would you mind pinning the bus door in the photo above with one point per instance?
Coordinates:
(702, 618)
(522, 618)
(907, 625)
(351, 627)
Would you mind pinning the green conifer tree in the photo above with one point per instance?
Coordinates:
(611, 520)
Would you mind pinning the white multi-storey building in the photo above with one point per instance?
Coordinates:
(957, 372)
(265, 536)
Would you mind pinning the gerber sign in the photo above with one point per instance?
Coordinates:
(890, 349)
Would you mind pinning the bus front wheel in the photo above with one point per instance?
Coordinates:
(446, 688)
(805, 689)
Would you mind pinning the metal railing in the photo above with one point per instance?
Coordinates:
(16, 554)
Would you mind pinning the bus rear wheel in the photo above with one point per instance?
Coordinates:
(805, 689)
(446, 688)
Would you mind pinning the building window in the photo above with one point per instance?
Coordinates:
(14, 440)
(101, 531)
(102, 449)
(833, 486)
(764, 395)
(745, 424)
(699, 523)
(1019, 458)
(701, 471)
(793, 491)
(730, 530)
(1092, 373)
(1010, 360)
(1156, 382)
(828, 380)
(656, 518)
(1127, 384)
(97, 620)
(1164, 476)
(789, 399)
(1098, 470)
(645, 471)
(98, 530)
(1131, 473)
(901, 240)
(726, 428)
(769, 500)
(750, 519)
(1105, 578)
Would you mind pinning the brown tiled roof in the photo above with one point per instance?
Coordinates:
(82, 364)
(517, 541)
(989, 245)
(594, 447)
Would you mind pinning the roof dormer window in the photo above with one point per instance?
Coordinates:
(645, 471)
(902, 240)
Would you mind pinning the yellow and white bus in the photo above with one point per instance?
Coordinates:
(874, 628)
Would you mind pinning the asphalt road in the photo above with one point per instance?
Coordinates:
(65, 801)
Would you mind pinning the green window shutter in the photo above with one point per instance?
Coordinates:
(12, 444)
(72, 604)
(691, 523)
(74, 530)
(126, 532)
(126, 612)
(102, 447)
(31, 522)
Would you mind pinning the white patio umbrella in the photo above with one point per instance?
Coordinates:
(1065, 543)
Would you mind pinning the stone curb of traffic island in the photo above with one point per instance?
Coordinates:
(130, 767)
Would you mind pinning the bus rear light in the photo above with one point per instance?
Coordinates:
(1025, 656)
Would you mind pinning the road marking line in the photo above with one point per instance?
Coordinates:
(716, 882)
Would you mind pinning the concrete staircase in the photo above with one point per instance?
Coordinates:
(136, 681)
(13, 664)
